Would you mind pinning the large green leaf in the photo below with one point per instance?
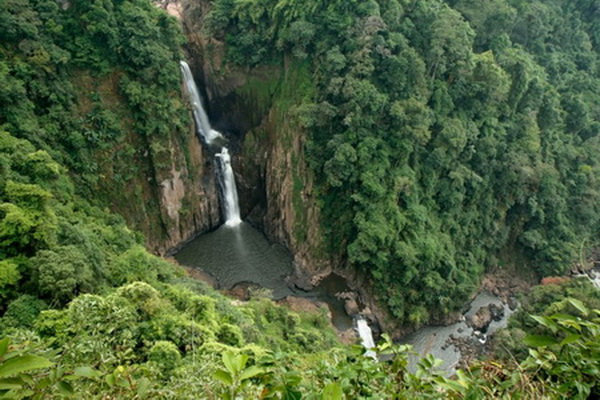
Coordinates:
(462, 378)
(289, 393)
(24, 363)
(449, 384)
(223, 376)
(87, 372)
(4, 346)
(65, 388)
(579, 305)
(547, 322)
(10, 383)
(570, 339)
(240, 362)
(251, 372)
(229, 361)
(110, 379)
(539, 340)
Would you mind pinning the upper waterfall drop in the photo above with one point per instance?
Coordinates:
(230, 198)
(203, 127)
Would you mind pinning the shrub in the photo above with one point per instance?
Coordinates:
(136, 264)
(230, 334)
(62, 273)
(22, 312)
(9, 276)
(178, 329)
(143, 297)
(165, 354)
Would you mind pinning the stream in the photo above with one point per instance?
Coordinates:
(243, 255)
(447, 343)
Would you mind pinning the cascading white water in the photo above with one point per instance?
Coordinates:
(204, 130)
(207, 134)
(366, 336)
(592, 275)
(229, 190)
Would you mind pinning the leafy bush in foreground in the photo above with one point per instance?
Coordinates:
(563, 364)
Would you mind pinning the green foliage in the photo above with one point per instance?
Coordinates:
(9, 276)
(53, 244)
(333, 391)
(27, 375)
(565, 365)
(569, 297)
(140, 336)
(230, 335)
(574, 360)
(66, 71)
(236, 374)
(23, 311)
(443, 134)
(165, 354)
(137, 264)
(15, 371)
(61, 273)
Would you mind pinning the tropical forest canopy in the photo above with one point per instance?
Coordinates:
(447, 137)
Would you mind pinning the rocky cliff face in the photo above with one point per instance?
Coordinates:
(163, 186)
(289, 212)
(187, 195)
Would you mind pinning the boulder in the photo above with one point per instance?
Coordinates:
(304, 305)
(351, 307)
(497, 311)
(481, 319)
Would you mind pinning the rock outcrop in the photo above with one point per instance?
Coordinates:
(163, 185)
(188, 200)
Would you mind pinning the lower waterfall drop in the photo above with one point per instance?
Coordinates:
(366, 336)
(231, 208)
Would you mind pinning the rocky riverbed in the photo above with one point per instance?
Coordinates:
(466, 339)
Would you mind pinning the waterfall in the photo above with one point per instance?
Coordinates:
(230, 198)
(203, 128)
(366, 336)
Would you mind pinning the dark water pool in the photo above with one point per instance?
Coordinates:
(239, 254)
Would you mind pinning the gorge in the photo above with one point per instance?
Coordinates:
(253, 98)
(236, 253)
(427, 167)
